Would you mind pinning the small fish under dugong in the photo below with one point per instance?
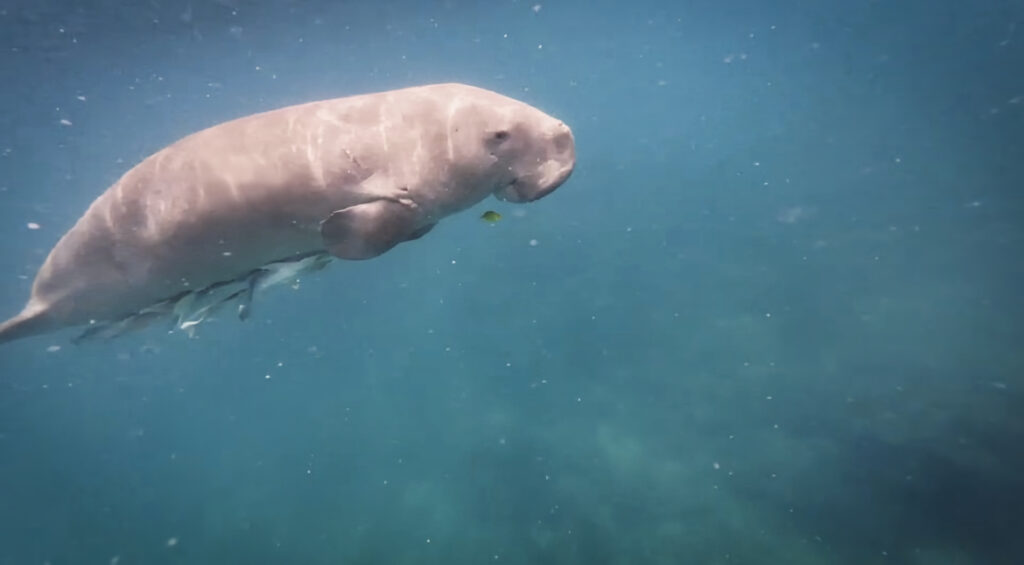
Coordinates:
(232, 209)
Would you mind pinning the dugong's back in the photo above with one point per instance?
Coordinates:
(233, 197)
(216, 202)
(187, 215)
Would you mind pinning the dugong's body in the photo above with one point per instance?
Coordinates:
(227, 210)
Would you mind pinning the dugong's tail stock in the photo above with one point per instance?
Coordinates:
(30, 322)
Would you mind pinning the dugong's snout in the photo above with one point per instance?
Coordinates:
(548, 166)
(560, 163)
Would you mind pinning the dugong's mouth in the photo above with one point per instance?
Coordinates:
(511, 192)
(534, 187)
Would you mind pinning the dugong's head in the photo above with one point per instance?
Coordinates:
(524, 154)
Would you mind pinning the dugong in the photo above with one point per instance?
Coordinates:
(227, 211)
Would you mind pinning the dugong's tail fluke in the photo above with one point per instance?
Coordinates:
(29, 322)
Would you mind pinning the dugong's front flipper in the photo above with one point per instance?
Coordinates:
(364, 231)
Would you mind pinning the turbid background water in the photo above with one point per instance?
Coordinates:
(774, 317)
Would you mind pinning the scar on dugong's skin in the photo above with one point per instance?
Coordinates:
(251, 202)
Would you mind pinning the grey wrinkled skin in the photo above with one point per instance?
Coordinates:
(351, 176)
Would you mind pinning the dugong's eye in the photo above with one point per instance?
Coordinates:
(495, 140)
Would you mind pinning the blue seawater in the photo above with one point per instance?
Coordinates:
(773, 318)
